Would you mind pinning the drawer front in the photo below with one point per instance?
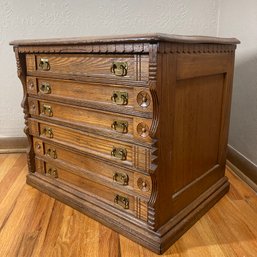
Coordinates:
(126, 99)
(84, 184)
(119, 152)
(123, 201)
(115, 124)
(113, 67)
(94, 169)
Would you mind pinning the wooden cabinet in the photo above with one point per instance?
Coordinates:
(132, 130)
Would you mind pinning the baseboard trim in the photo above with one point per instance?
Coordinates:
(13, 144)
(243, 167)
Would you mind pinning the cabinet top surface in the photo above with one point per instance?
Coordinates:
(148, 38)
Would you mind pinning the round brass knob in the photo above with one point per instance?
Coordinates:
(143, 185)
(143, 99)
(143, 129)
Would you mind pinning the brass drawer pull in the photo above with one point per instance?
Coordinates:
(51, 153)
(45, 88)
(44, 64)
(120, 126)
(120, 98)
(121, 178)
(48, 132)
(52, 172)
(119, 68)
(122, 201)
(47, 110)
(119, 153)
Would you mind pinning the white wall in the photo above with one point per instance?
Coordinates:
(62, 18)
(239, 18)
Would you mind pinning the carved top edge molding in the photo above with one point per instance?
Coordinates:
(178, 48)
(99, 48)
(196, 48)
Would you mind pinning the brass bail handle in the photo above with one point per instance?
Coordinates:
(120, 98)
(45, 88)
(47, 110)
(52, 172)
(119, 68)
(51, 153)
(120, 178)
(119, 153)
(120, 126)
(48, 132)
(44, 64)
(121, 201)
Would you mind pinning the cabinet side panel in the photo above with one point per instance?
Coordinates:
(193, 127)
(198, 105)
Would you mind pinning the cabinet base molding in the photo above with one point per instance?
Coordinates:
(158, 241)
(13, 144)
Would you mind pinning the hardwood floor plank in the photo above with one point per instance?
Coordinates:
(8, 202)
(109, 243)
(6, 162)
(10, 175)
(33, 224)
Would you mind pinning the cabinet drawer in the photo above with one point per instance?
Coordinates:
(114, 125)
(126, 154)
(97, 190)
(94, 168)
(113, 67)
(125, 99)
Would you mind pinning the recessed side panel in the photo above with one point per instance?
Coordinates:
(198, 114)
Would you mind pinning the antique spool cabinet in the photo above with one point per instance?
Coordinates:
(130, 130)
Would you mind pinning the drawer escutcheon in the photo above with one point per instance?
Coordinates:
(119, 68)
(122, 201)
(120, 178)
(119, 153)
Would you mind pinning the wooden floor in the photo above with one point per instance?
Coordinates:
(33, 224)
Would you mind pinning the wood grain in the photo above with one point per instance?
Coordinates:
(137, 156)
(33, 224)
(89, 66)
(89, 94)
(89, 118)
(92, 168)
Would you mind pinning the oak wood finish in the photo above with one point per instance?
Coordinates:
(36, 225)
(97, 96)
(167, 126)
(89, 66)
